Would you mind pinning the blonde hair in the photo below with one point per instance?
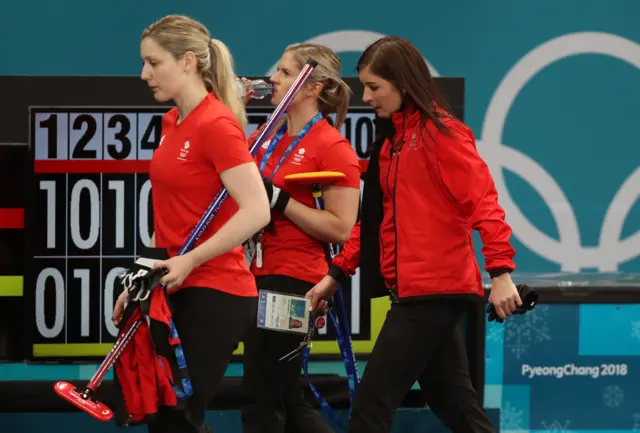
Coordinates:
(335, 94)
(179, 34)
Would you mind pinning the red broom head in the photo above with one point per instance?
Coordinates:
(94, 408)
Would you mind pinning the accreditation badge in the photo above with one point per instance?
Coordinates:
(283, 312)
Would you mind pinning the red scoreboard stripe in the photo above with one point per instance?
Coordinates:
(108, 166)
(91, 166)
(11, 218)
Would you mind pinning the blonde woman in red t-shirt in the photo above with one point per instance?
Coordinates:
(203, 148)
(289, 255)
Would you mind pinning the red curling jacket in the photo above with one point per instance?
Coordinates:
(427, 191)
(147, 366)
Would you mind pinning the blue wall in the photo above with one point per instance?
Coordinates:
(552, 93)
(570, 134)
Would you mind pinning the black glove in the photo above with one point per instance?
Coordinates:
(141, 278)
(528, 296)
(278, 198)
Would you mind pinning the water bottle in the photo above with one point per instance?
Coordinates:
(260, 88)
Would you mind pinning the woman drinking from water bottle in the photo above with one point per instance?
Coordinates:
(289, 254)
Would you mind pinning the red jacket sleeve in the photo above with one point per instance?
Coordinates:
(467, 177)
(348, 260)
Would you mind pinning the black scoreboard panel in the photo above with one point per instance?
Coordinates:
(91, 213)
(91, 140)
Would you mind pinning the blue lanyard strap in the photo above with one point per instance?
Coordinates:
(343, 337)
(186, 390)
(278, 136)
(346, 352)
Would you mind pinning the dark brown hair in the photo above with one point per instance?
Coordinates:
(399, 61)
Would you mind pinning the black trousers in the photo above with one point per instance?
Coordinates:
(421, 341)
(210, 324)
(274, 390)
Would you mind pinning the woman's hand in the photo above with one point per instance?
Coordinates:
(178, 267)
(248, 90)
(504, 295)
(321, 293)
(118, 309)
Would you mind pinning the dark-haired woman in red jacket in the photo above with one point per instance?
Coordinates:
(426, 189)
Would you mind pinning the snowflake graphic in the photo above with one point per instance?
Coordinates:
(613, 396)
(494, 333)
(511, 418)
(636, 422)
(521, 332)
(635, 329)
(556, 426)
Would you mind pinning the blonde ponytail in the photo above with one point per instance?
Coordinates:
(336, 99)
(224, 80)
(336, 94)
(179, 34)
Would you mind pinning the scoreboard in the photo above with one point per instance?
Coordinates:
(89, 209)
(93, 212)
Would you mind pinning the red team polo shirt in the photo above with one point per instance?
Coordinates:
(185, 179)
(288, 250)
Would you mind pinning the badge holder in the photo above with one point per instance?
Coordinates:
(315, 322)
(282, 312)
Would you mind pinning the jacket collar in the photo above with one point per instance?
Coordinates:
(408, 117)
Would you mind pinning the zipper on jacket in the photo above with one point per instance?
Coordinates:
(380, 237)
(397, 149)
(395, 226)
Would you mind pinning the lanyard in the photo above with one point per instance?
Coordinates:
(346, 351)
(343, 336)
(278, 136)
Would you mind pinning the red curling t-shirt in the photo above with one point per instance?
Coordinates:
(287, 250)
(185, 179)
